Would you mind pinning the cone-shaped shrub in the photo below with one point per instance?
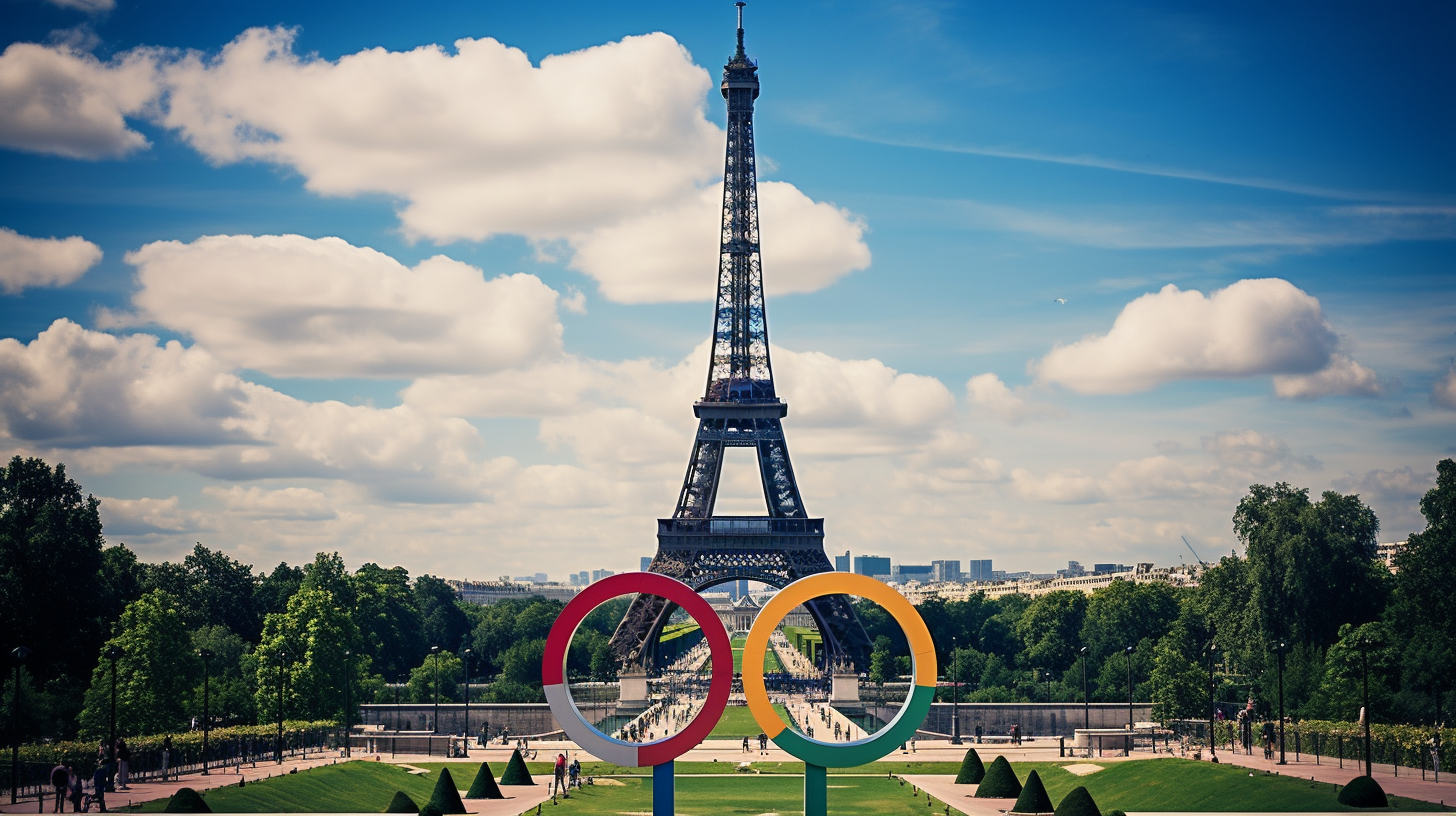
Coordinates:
(430, 809)
(484, 786)
(187, 800)
(1078, 803)
(1000, 781)
(1362, 792)
(516, 773)
(972, 769)
(446, 797)
(1033, 797)
(401, 803)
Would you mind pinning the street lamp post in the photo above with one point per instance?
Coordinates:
(955, 699)
(206, 704)
(348, 700)
(465, 746)
(278, 740)
(20, 653)
(1128, 652)
(1282, 649)
(1364, 647)
(435, 653)
(112, 653)
(1086, 699)
(1212, 710)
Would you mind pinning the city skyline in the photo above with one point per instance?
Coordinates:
(280, 280)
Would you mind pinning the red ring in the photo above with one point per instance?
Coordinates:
(553, 663)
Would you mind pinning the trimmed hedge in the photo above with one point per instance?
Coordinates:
(1000, 781)
(972, 769)
(446, 797)
(186, 800)
(1033, 798)
(484, 786)
(401, 803)
(1078, 802)
(516, 773)
(186, 745)
(1363, 792)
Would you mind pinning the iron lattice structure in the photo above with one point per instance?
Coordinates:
(739, 408)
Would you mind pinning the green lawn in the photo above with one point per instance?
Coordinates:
(738, 722)
(1147, 785)
(770, 660)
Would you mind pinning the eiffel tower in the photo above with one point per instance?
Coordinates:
(740, 409)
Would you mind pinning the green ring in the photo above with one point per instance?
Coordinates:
(865, 751)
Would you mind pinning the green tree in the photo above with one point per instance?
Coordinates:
(230, 687)
(1125, 613)
(51, 588)
(154, 674)
(222, 590)
(1422, 614)
(1051, 628)
(273, 590)
(451, 675)
(309, 640)
(445, 624)
(385, 612)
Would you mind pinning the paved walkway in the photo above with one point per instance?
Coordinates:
(1408, 784)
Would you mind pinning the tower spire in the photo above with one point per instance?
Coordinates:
(739, 55)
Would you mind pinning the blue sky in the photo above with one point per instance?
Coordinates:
(339, 282)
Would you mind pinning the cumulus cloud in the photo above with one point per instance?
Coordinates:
(1341, 376)
(132, 400)
(26, 261)
(1443, 393)
(293, 306)
(145, 516)
(1061, 487)
(291, 503)
(88, 6)
(67, 103)
(1253, 327)
(989, 396)
(671, 253)
(1400, 485)
(1251, 450)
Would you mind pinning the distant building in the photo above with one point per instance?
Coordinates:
(646, 563)
(599, 574)
(841, 563)
(871, 565)
(978, 570)
(1074, 570)
(583, 578)
(1099, 569)
(902, 573)
(1387, 553)
(945, 570)
(489, 592)
(1034, 585)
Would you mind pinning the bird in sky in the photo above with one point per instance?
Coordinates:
(1062, 301)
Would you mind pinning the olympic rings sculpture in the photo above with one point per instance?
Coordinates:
(660, 754)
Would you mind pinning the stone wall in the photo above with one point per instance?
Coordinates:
(518, 718)
(1035, 719)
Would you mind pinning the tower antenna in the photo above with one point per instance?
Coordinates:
(740, 4)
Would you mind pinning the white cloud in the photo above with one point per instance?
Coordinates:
(1253, 327)
(293, 306)
(129, 400)
(26, 261)
(1061, 487)
(1341, 376)
(67, 103)
(1443, 393)
(478, 143)
(1250, 450)
(1402, 485)
(671, 253)
(129, 517)
(294, 503)
(989, 396)
(88, 6)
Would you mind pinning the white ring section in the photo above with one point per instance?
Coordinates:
(584, 735)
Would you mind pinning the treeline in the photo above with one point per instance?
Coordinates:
(315, 629)
(1309, 579)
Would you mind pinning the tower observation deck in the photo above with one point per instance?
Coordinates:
(740, 408)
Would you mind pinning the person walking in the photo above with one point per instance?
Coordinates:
(559, 775)
(745, 745)
(123, 765)
(60, 780)
(166, 755)
(98, 784)
(76, 787)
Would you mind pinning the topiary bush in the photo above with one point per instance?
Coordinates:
(187, 800)
(1033, 797)
(430, 809)
(1000, 781)
(401, 803)
(1079, 803)
(446, 797)
(1363, 792)
(484, 786)
(516, 773)
(972, 769)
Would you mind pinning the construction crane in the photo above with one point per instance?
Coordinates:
(1201, 562)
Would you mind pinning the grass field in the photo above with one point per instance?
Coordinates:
(1149, 785)
(737, 722)
(770, 660)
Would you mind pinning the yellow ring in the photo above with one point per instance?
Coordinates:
(817, 586)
